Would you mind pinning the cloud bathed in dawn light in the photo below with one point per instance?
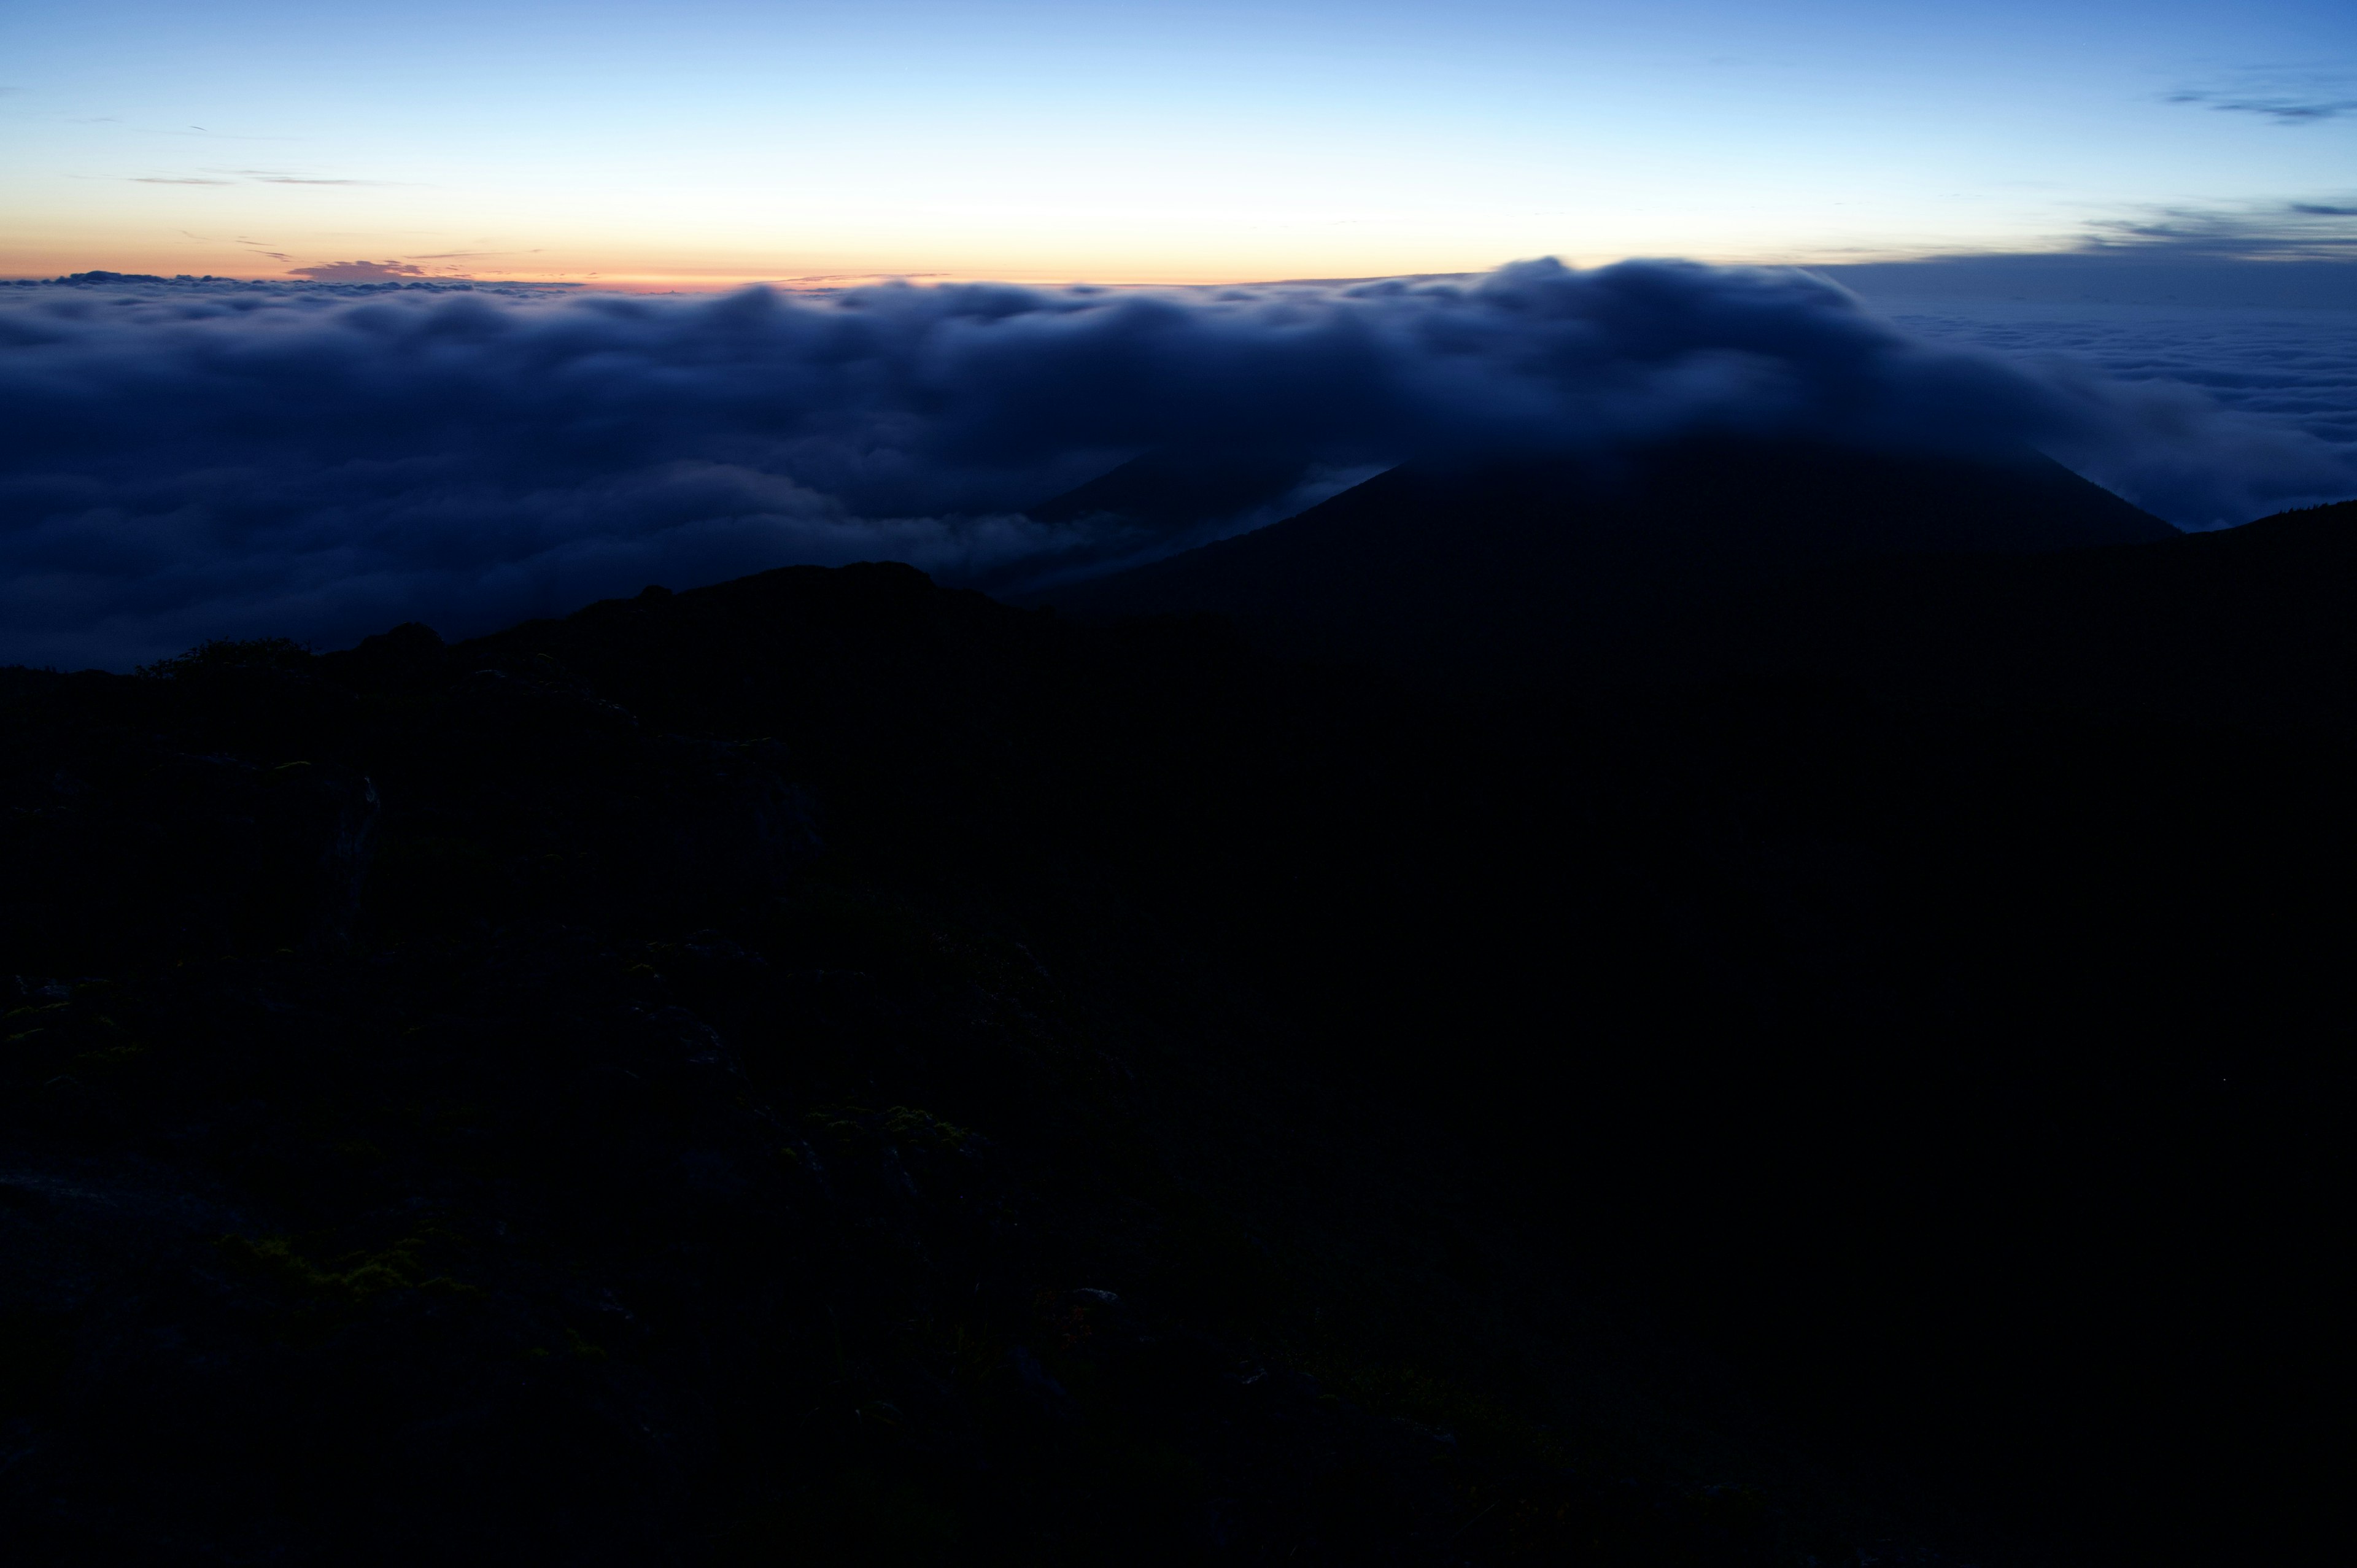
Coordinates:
(193, 460)
(357, 272)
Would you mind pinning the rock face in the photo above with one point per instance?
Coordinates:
(828, 1067)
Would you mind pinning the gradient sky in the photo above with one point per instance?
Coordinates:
(711, 142)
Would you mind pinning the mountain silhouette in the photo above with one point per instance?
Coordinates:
(1153, 504)
(1532, 566)
(1169, 489)
(2243, 626)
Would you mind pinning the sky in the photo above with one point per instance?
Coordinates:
(703, 144)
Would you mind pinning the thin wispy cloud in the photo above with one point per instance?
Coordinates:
(2324, 230)
(284, 176)
(215, 136)
(857, 277)
(2281, 111)
(360, 272)
(2263, 255)
(2288, 98)
(249, 177)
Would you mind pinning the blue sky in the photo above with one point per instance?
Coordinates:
(711, 143)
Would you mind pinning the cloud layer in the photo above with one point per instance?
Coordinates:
(184, 460)
(2286, 369)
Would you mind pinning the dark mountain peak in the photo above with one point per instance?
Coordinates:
(1176, 488)
(1535, 564)
(1153, 504)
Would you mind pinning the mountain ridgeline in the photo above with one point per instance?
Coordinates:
(1533, 570)
(1770, 1007)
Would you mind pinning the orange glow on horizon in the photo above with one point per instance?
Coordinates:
(699, 280)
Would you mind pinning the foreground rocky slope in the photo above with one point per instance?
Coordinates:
(452, 1116)
(827, 1068)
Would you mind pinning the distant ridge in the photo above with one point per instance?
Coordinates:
(2245, 626)
(1533, 567)
(1171, 489)
(1151, 506)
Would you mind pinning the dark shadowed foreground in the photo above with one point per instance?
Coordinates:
(827, 1068)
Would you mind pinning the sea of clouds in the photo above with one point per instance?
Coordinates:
(189, 458)
(2293, 369)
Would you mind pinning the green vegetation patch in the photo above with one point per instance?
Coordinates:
(904, 1126)
(354, 1279)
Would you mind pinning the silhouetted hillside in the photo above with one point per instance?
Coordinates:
(2245, 626)
(1535, 568)
(1153, 505)
(829, 1068)
(1168, 490)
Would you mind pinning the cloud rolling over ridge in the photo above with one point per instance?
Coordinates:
(178, 462)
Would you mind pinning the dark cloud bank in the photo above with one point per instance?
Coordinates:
(193, 458)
